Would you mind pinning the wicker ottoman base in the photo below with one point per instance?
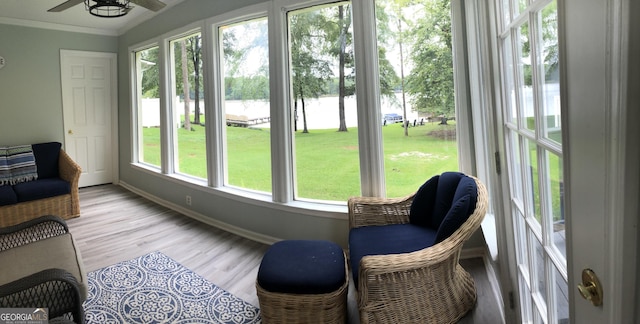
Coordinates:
(301, 307)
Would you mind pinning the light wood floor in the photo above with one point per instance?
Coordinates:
(117, 225)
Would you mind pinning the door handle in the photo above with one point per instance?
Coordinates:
(70, 132)
(590, 288)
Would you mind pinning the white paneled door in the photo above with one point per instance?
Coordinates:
(89, 99)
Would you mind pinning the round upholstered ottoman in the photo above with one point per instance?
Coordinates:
(303, 281)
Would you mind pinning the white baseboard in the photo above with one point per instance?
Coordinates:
(266, 239)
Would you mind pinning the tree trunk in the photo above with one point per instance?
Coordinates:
(304, 117)
(295, 115)
(196, 78)
(404, 101)
(185, 87)
(343, 45)
(304, 111)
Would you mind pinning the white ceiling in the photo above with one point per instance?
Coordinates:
(34, 13)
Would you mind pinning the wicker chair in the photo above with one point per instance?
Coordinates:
(41, 267)
(424, 286)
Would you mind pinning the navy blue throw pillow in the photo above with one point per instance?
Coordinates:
(422, 204)
(447, 187)
(457, 215)
(46, 155)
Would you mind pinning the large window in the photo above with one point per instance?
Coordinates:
(417, 92)
(281, 116)
(187, 105)
(148, 106)
(245, 61)
(324, 103)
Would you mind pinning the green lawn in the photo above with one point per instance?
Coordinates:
(326, 161)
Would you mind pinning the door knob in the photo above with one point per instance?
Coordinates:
(590, 288)
(70, 132)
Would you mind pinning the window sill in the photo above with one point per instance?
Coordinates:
(306, 207)
(490, 235)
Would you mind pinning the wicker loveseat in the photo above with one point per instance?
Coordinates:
(54, 192)
(404, 252)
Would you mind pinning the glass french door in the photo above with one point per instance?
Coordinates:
(528, 45)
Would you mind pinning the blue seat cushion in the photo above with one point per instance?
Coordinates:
(302, 267)
(388, 239)
(7, 196)
(46, 155)
(41, 188)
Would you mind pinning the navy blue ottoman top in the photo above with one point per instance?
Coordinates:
(302, 267)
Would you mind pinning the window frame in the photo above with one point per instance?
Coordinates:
(214, 97)
(282, 155)
(136, 103)
(172, 136)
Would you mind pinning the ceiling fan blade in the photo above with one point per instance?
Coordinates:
(153, 5)
(65, 5)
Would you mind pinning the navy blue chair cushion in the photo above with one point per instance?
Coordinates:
(41, 188)
(456, 216)
(7, 196)
(388, 239)
(302, 267)
(46, 155)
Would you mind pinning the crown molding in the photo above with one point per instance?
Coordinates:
(59, 27)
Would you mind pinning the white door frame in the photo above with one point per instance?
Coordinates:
(113, 57)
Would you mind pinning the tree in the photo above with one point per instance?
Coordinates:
(431, 80)
(150, 73)
(550, 41)
(195, 54)
(388, 13)
(246, 80)
(343, 24)
(340, 45)
(188, 62)
(310, 72)
(185, 86)
(339, 38)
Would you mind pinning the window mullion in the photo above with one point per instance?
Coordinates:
(166, 120)
(213, 106)
(282, 166)
(372, 180)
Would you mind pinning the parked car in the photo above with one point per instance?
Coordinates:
(391, 119)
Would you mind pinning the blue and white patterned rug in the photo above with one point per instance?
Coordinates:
(154, 288)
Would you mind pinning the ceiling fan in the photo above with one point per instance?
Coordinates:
(109, 8)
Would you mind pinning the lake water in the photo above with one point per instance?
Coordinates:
(321, 113)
